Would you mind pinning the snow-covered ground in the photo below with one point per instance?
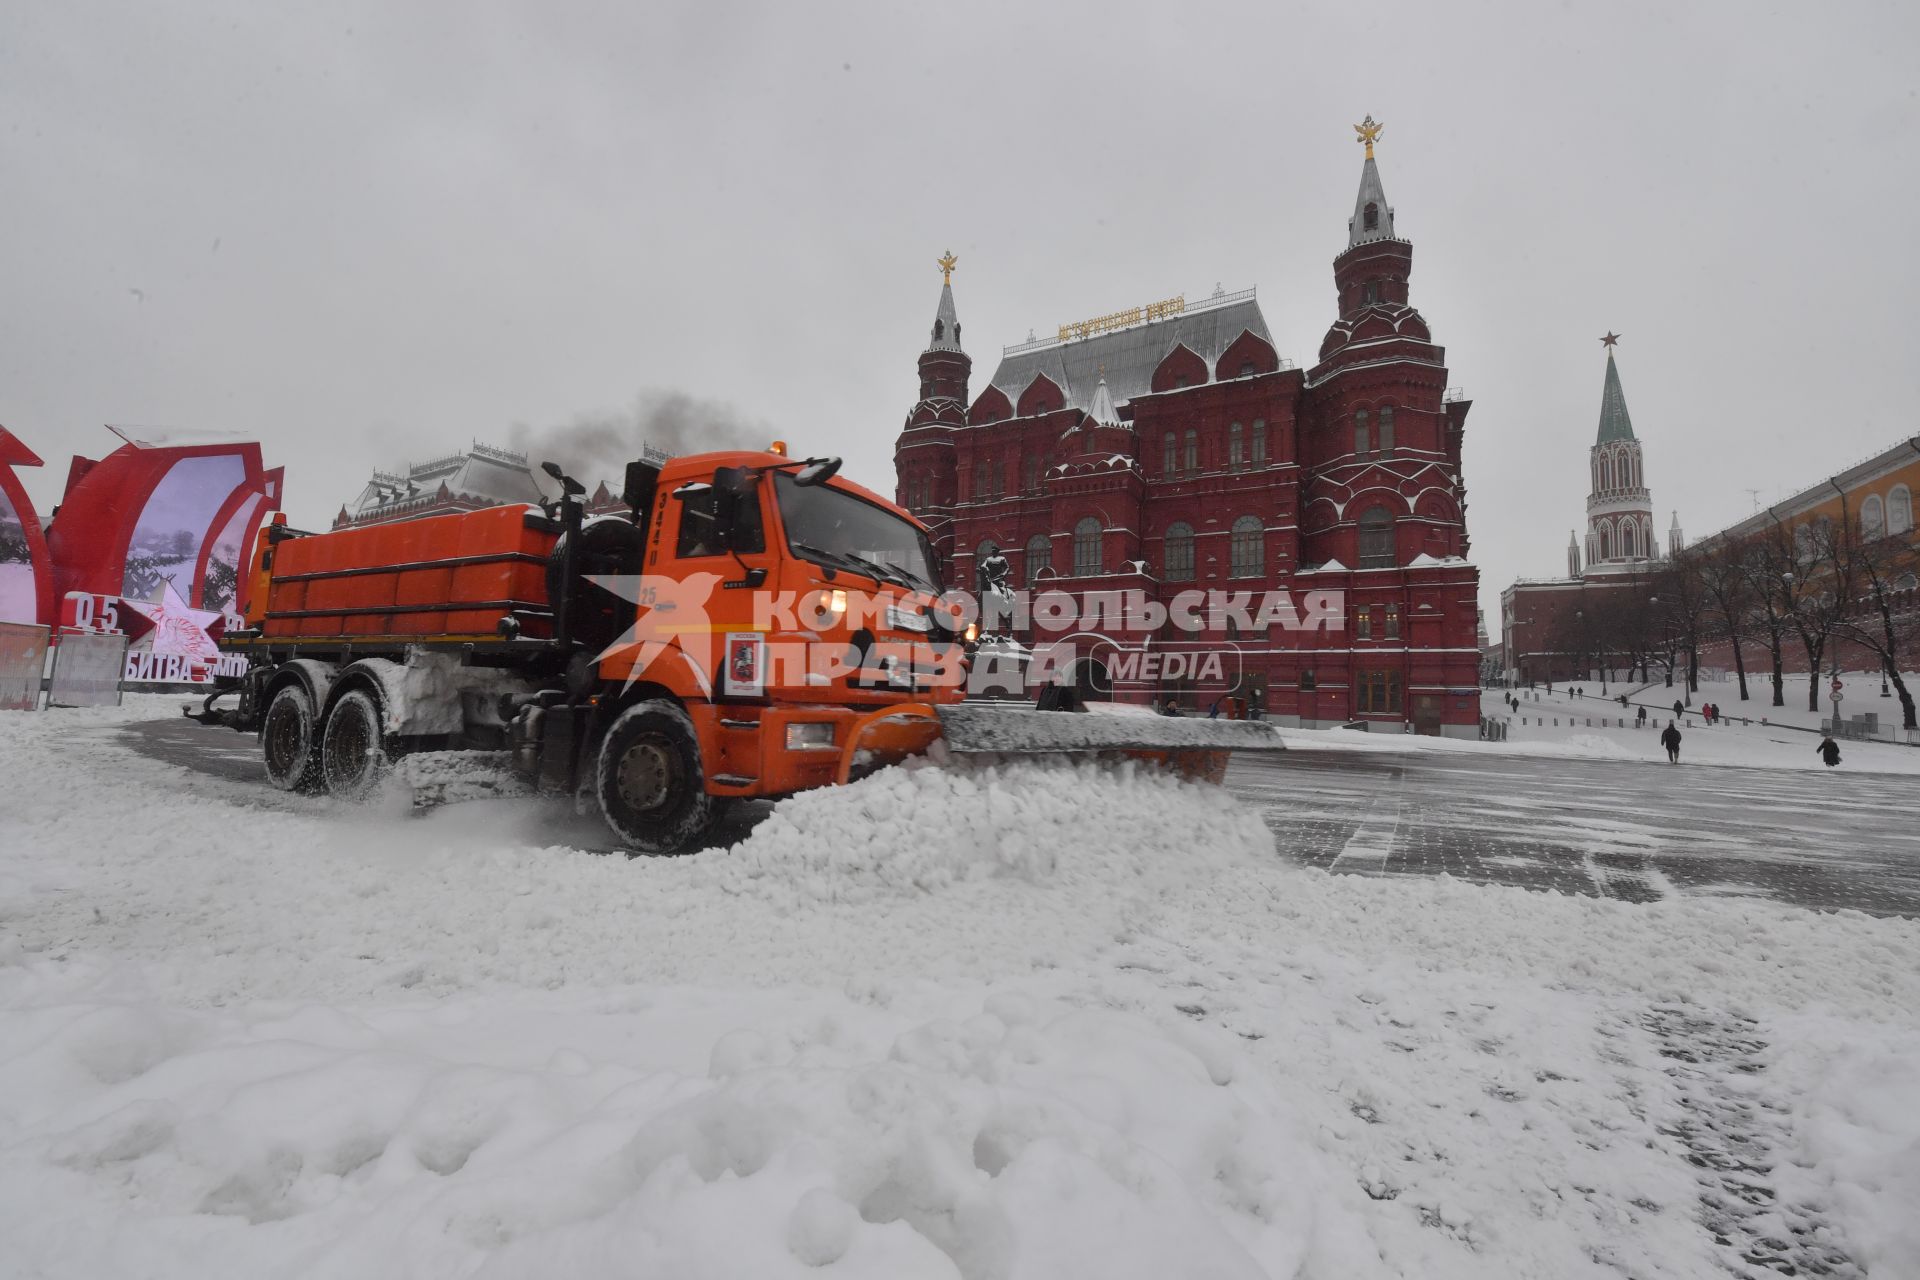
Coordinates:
(999, 1022)
(1590, 727)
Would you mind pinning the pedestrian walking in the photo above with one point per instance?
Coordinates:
(1678, 709)
(1829, 751)
(1671, 741)
(1641, 718)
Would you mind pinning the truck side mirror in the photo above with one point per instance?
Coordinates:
(817, 471)
(568, 484)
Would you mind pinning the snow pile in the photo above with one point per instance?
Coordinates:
(920, 827)
(1015, 1138)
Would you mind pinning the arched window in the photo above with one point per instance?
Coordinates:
(1180, 552)
(1606, 539)
(1039, 556)
(1173, 455)
(1086, 548)
(1249, 557)
(939, 330)
(1370, 217)
(1386, 428)
(1873, 517)
(1362, 442)
(1900, 510)
(1629, 539)
(1193, 449)
(1376, 539)
(1259, 441)
(1236, 447)
(1606, 473)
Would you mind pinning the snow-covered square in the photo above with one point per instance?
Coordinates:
(1006, 1020)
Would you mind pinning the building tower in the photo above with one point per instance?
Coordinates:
(1619, 510)
(924, 455)
(1676, 541)
(1384, 435)
(1573, 554)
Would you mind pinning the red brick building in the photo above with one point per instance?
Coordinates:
(1172, 448)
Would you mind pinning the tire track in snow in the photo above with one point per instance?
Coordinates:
(1379, 831)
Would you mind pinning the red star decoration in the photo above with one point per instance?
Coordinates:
(1610, 340)
(179, 629)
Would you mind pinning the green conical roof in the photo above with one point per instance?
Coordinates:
(1614, 422)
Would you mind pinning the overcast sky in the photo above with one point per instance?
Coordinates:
(372, 233)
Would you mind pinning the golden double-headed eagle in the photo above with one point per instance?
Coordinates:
(1368, 131)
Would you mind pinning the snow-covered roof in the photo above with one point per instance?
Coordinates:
(1129, 356)
(1371, 193)
(493, 477)
(946, 323)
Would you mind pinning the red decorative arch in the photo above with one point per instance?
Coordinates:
(105, 501)
(40, 563)
(250, 503)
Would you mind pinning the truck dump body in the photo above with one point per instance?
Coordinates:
(439, 578)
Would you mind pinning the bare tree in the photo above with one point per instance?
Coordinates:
(1882, 616)
(1816, 592)
(1728, 598)
(1766, 564)
(1679, 607)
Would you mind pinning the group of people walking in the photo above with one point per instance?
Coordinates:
(1710, 713)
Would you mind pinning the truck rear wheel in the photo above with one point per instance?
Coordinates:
(352, 756)
(288, 742)
(649, 780)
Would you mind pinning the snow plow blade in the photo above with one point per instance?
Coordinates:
(1195, 747)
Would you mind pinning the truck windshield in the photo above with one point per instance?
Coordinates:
(830, 526)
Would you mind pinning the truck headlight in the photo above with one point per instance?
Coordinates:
(810, 737)
(825, 608)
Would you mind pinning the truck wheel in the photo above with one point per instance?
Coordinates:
(649, 780)
(288, 741)
(352, 758)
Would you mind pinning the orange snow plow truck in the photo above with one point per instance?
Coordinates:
(752, 626)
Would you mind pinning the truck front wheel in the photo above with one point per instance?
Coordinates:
(649, 780)
(288, 741)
